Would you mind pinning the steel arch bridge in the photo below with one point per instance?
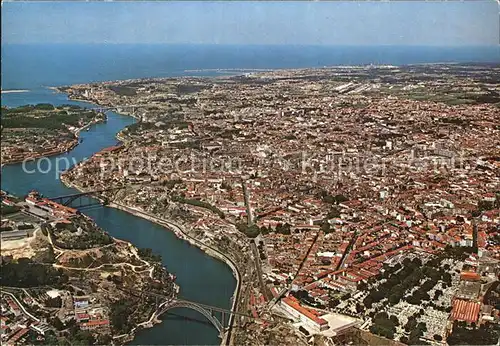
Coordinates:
(84, 199)
(132, 109)
(92, 198)
(208, 313)
(216, 315)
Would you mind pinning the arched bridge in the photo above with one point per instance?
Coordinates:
(84, 199)
(126, 108)
(131, 109)
(88, 198)
(207, 312)
(222, 319)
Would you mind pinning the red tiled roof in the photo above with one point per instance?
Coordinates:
(96, 323)
(18, 335)
(311, 314)
(464, 310)
(82, 316)
(112, 148)
(469, 276)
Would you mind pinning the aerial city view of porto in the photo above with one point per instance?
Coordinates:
(250, 173)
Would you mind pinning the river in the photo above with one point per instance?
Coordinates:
(201, 277)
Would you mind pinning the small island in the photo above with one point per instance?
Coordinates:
(65, 280)
(34, 131)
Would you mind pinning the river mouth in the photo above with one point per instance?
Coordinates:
(201, 278)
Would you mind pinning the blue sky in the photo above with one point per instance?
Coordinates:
(316, 23)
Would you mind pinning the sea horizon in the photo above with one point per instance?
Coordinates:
(28, 66)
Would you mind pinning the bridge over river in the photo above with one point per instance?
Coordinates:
(222, 319)
(219, 317)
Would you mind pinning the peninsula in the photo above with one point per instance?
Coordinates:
(34, 131)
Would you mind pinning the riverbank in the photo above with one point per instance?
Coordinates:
(68, 146)
(177, 230)
(67, 149)
(153, 318)
(202, 277)
(180, 233)
(109, 257)
(209, 250)
(116, 109)
(86, 126)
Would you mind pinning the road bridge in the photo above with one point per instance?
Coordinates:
(129, 109)
(91, 198)
(217, 316)
(85, 199)
(124, 108)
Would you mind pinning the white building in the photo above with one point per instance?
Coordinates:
(308, 317)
